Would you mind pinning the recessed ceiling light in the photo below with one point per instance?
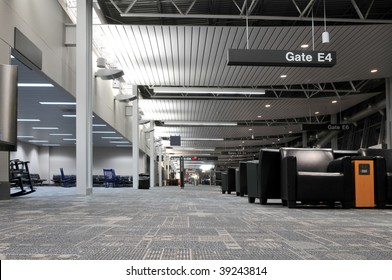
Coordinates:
(104, 132)
(283, 76)
(191, 123)
(290, 131)
(35, 85)
(304, 46)
(43, 127)
(124, 146)
(29, 120)
(69, 116)
(69, 139)
(267, 105)
(57, 103)
(60, 134)
(316, 113)
(374, 71)
(250, 129)
(119, 142)
(24, 136)
(99, 124)
(259, 116)
(111, 137)
(38, 141)
(334, 101)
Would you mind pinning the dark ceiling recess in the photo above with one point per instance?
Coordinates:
(232, 12)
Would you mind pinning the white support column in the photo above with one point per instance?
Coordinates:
(84, 75)
(135, 139)
(160, 165)
(152, 155)
(388, 120)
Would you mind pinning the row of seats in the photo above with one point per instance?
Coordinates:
(308, 176)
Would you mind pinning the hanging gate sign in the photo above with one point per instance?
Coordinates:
(281, 58)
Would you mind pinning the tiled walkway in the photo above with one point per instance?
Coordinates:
(192, 223)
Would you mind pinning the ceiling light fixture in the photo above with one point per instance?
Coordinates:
(28, 120)
(35, 85)
(43, 127)
(57, 103)
(283, 76)
(190, 123)
(69, 116)
(38, 141)
(60, 134)
(267, 105)
(25, 136)
(374, 71)
(119, 142)
(69, 139)
(210, 90)
(334, 101)
(104, 132)
(95, 125)
(305, 46)
(113, 137)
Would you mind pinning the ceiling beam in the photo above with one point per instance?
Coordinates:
(254, 17)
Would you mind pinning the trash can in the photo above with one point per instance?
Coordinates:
(363, 168)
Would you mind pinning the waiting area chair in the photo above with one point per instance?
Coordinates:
(110, 179)
(313, 176)
(67, 181)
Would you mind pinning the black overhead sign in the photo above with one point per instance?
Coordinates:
(281, 58)
(326, 127)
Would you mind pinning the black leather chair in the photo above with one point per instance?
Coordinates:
(228, 181)
(344, 153)
(269, 175)
(241, 180)
(252, 180)
(312, 176)
(267, 185)
(382, 174)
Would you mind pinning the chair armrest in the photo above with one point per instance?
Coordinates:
(288, 178)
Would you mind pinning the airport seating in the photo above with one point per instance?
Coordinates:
(269, 175)
(218, 178)
(382, 174)
(36, 179)
(342, 153)
(313, 176)
(67, 181)
(241, 179)
(110, 179)
(228, 181)
(252, 180)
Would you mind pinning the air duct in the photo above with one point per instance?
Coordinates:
(324, 140)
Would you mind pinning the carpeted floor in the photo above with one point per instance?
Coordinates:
(198, 222)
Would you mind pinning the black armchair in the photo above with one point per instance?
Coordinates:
(314, 176)
(267, 184)
(228, 181)
(382, 174)
(269, 175)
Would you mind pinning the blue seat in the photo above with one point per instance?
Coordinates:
(110, 179)
(67, 181)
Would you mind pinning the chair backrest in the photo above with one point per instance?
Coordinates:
(309, 160)
(109, 173)
(62, 173)
(385, 153)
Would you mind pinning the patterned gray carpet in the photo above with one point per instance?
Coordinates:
(196, 223)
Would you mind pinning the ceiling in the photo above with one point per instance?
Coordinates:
(159, 44)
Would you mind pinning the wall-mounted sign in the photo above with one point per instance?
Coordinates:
(196, 158)
(281, 58)
(235, 153)
(175, 140)
(316, 127)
